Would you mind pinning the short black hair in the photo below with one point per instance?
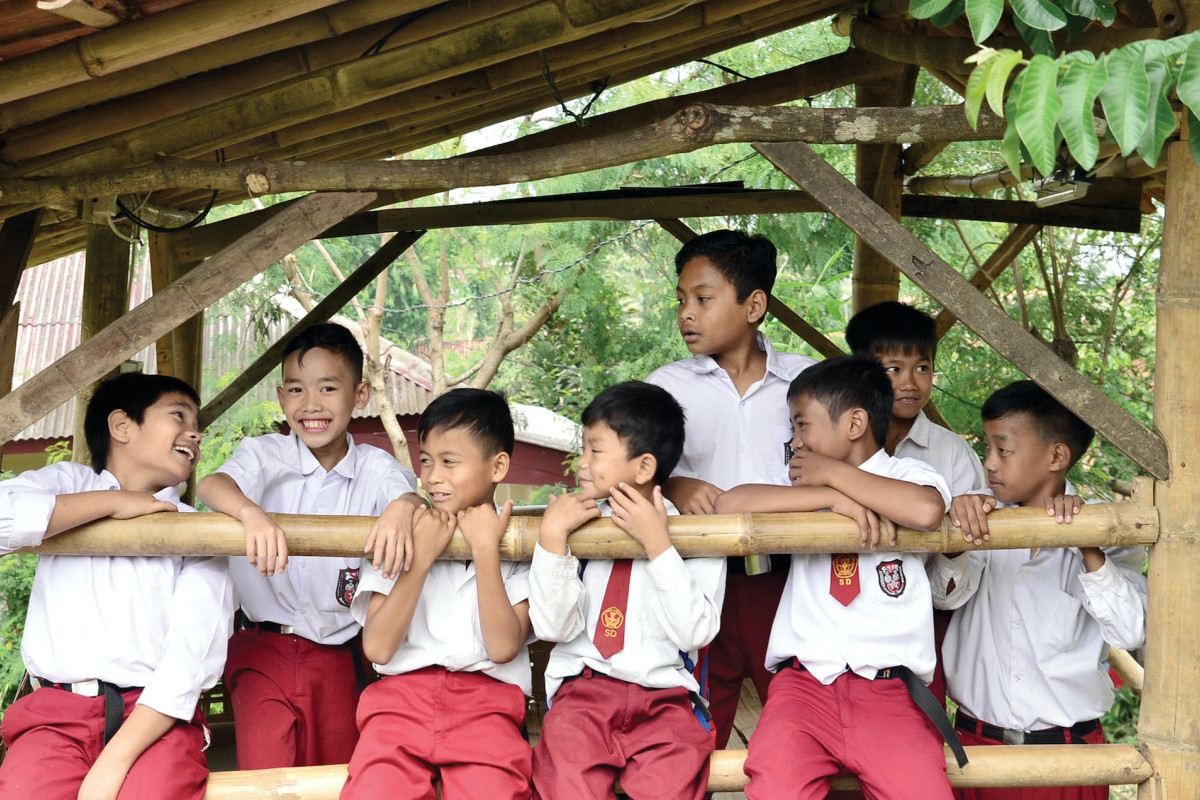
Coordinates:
(133, 393)
(890, 327)
(748, 262)
(332, 337)
(847, 382)
(646, 418)
(1053, 421)
(485, 414)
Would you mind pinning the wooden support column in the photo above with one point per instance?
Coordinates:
(180, 352)
(992, 268)
(8, 346)
(16, 241)
(779, 309)
(1169, 725)
(927, 270)
(237, 263)
(105, 299)
(879, 173)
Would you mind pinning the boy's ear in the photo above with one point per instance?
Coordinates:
(1060, 457)
(120, 426)
(500, 464)
(756, 306)
(647, 465)
(362, 395)
(858, 423)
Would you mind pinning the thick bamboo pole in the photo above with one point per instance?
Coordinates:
(1169, 724)
(1098, 525)
(1015, 765)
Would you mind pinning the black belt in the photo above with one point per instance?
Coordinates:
(925, 701)
(268, 627)
(1055, 735)
(114, 702)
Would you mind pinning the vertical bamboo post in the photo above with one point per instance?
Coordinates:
(179, 352)
(1169, 726)
(105, 299)
(879, 174)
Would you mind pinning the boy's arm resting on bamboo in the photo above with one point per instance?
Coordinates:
(389, 615)
(555, 588)
(691, 495)
(505, 626)
(266, 541)
(908, 504)
(390, 539)
(767, 498)
(142, 728)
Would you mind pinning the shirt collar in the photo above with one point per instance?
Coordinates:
(918, 434)
(705, 364)
(876, 462)
(110, 482)
(309, 464)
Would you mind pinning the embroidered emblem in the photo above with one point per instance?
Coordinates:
(891, 577)
(611, 619)
(844, 566)
(346, 584)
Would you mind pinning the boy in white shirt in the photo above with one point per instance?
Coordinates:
(295, 668)
(118, 647)
(449, 637)
(840, 641)
(620, 681)
(1025, 650)
(734, 393)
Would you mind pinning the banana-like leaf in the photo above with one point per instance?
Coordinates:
(1039, 41)
(1079, 82)
(924, 9)
(1193, 141)
(1010, 146)
(1038, 110)
(947, 15)
(1041, 14)
(976, 83)
(984, 16)
(1006, 61)
(1126, 96)
(1188, 87)
(1161, 126)
(1103, 10)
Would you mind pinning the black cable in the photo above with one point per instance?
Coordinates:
(723, 68)
(150, 226)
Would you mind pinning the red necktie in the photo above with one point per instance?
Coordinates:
(610, 628)
(843, 577)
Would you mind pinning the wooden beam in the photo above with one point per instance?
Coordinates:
(181, 350)
(16, 241)
(8, 346)
(1098, 525)
(1169, 722)
(80, 11)
(992, 268)
(191, 294)
(1010, 765)
(1016, 212)
(781, 311)
(926, 269)
(697, 126)
(140, 42)
(341, 295)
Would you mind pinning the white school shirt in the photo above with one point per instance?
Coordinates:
(889, 623)
(281, 475)
(674, 609)
(732, 439)
(445, 629)
(946, 452)
(1025, 646)
(159, 622)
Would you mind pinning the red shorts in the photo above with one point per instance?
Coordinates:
(969, 738)
(293, 700)
(809, 733)
(600, 729)
(54, 737)
(463, 727)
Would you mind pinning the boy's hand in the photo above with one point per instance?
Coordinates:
(968, 513)
(692, 495)
(643, 520)
(127, 504)
(432, 530)
(1063, 507)
(266, 542)
(103, 781)
(811, 469)
(483, 528)
(871, 526)
(564, 514)
(391, 536)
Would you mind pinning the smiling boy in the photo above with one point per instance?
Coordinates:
(449, 637)
(620, 681)
(118, 647)
(292, 672)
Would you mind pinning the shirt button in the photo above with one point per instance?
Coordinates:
(1016, 623)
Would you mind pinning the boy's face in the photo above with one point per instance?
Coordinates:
(604, 462)
(318, 395)
(1020, 464)
(911, 374)
(710, 318)
(814, 430)
(162, 449)
(456, 473)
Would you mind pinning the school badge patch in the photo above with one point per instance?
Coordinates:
(611, 619)
(891, 577)
(347, 583)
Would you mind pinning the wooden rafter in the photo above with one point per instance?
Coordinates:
(341, 295)
(926, 269)
(191, 294)
(16, 241)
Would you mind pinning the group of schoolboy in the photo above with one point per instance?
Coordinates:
(121, 647)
